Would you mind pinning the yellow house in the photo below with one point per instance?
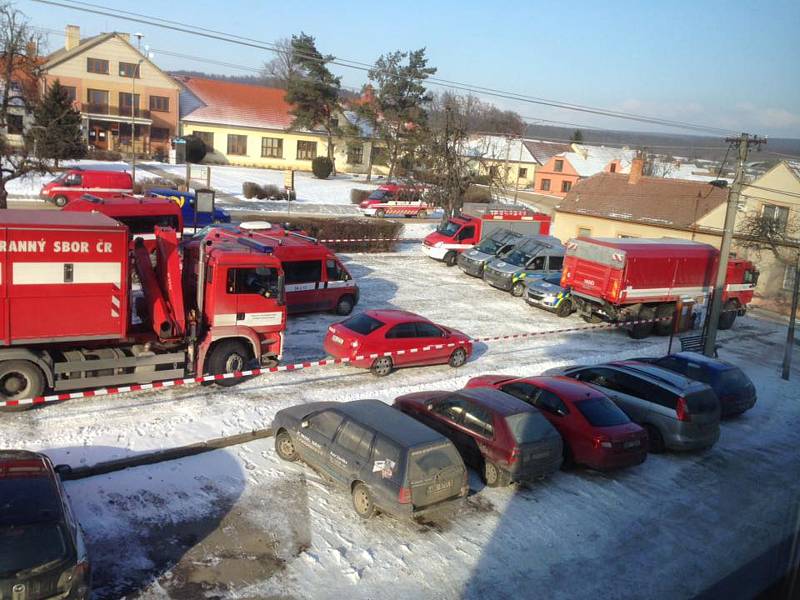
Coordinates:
(116, 87)
(619, 205)
(250, 125)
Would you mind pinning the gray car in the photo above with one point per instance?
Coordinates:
(388, 461)
(535, 256)
(501, 241)
(678, 413)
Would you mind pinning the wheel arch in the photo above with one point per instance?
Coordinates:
(43, 362)
(249, 339)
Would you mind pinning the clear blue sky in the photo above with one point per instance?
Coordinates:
(727, 64)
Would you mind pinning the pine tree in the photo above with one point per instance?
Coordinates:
(312, 90)
(577, 136)
(58, 126)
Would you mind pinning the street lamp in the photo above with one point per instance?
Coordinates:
(133, 118)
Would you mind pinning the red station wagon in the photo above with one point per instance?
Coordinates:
(402, 333)
(595, 431)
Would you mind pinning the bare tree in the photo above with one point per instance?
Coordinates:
(656, 165)
(283, 67)
(775, 233)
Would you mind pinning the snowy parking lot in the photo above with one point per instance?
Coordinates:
(239, 523)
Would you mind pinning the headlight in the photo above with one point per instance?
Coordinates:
(549, 298)
(438, 244)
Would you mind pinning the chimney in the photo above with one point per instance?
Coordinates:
(637, 165)
(73, 37)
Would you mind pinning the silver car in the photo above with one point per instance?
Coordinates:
(531, 257)
(501, 241)
(678, 413)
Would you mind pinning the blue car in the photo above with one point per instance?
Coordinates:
(186, 201)
(734, 389)
(547, 293)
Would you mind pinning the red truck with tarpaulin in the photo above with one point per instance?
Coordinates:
(640, 279)
(71, 319)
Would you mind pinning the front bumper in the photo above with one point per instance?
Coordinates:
(470, 266)
(545, 301)
(434, 252)
(498, 280)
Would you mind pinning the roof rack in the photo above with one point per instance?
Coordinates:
(305, 237)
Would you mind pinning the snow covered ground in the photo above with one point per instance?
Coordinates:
(239, 523)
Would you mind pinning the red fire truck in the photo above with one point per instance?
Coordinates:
(69, 318)
(635, 279)
(396, 200)
(463, 232)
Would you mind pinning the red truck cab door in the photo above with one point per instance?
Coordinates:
(252, 298)
(466, 235)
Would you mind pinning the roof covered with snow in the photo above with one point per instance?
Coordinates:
(588, 160)
(498, 147)
(543, 150)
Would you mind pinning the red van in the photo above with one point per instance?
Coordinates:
(74, 183)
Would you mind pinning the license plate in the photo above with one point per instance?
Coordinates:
(438, 487)
(631, 444)
(337, 339)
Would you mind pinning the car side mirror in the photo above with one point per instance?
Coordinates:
(304, 424)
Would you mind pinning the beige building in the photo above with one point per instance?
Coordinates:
(118, 90)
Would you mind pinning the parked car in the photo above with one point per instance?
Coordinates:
(536, 256)
(547, 293)
(595, 432)
(735, 391)
(388, 461)
(473, 261)
(73, 183)
(504, 438)
(678, 413)
(42, 552)
(398, 332)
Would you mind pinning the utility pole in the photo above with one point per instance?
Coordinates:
(787, 351)
(744, 142)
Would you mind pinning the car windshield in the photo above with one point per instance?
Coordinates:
(363, 324)
(28, 546)
(520, 255)
(377, 195)
(529, 427)
(425, 463)
(489, 246)
(449, 229)
(601, 412)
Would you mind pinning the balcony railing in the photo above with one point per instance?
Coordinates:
(114, 111)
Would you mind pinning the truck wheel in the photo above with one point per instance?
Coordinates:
(381, 366)
(728, 315)
(284, 446)
(422, 214)
(665, 311)
(345, 305)
(564, 309)
(362, 501)
(450, 259)
(380, 213)
(60, 201)
(518, 289)
(642, 330)
(226, 357)
(20, 379)
(593, 318)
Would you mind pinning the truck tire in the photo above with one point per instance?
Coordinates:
(422, 214)
(593, 318)
(665, 311)
(60, 201)
(345, 305)
(450, 258)
(728, 316)
(20, 379)
(380, 213)
(642, 330)
(226, 357)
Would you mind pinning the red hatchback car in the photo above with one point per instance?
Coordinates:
(410, 340)
(595, 431)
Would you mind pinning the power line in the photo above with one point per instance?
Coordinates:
(358, 65)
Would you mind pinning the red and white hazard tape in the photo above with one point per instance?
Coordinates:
(347, 240)
(110, 391)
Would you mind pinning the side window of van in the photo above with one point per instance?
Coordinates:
(302, 271)
(537, 264)
(355, 438)
(556, 263)
(73, 179)
(326, 423)
(335, 271)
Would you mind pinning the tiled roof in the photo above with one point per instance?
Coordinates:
(237, 104)
(543, 151)
(653, 200)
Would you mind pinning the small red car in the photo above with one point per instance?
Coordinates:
(410, 339)
(596, 432)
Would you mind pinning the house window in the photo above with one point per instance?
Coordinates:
(97, 65)
(355, 154)
(545, 185)
(612, 168)
(559, 166)
(779, 214)
(493, 171)
(159, 133)
(271, 147)
(584, 232)
(566, 186)
(129, 70)
(789, 273)
(306, 150)
(70, 92)
(237, 144)
(14, 124)
(98, 101)
(379, 156)
(207, 137)
(523, 173)
(159, 103)
(127, 102)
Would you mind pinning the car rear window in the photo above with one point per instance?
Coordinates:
(528, 427)
(29, 546)
(425, 463)
(602, 412)
(363, 324)
(704, 401)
